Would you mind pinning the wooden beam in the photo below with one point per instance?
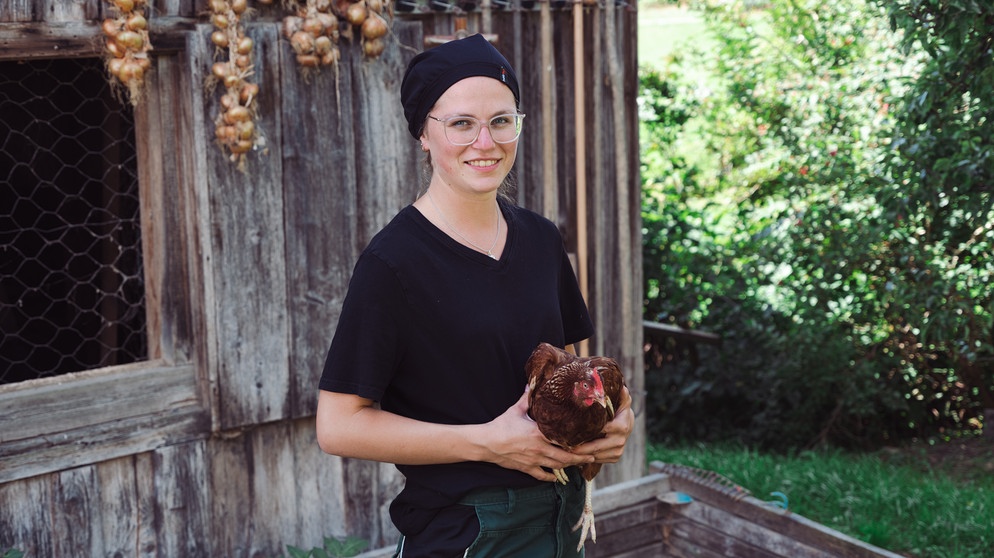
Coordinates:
(681, 333)
(33, 40)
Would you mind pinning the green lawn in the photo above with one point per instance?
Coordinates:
(895, 500)
(663, 29)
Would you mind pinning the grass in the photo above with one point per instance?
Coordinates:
(664, 29)
(899, 503)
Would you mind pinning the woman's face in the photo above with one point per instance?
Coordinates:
(482, 165)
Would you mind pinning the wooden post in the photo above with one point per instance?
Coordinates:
(581, 157)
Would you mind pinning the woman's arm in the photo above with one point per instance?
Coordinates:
(352, 426)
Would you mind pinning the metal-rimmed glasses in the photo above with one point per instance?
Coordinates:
(464, 130)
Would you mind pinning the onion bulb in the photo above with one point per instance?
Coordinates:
(129, 40)
(130, 71)
(110, 27)
(375, 5)
(356, 13)
(374, 27)
(125, 5)
(115, 50)
(220, 21)
(219, 6)
(244, 46)
(220, 38)
(220, 70)
(239, 6)
(291, 24)
(323, 45)
(237, 113)
(314, 26)
(241, 146)
(373, 47)
(114, 65)
(137, 22)
(329, 23)
(302, 43)
(249, 91)
(228, 101)
(245, 130)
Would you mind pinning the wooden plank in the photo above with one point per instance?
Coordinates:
(25, 516)
(379, 120)
(151, 148)
(67, 10)
(627, 530)
(39, 408)
(145, 504)
(745, 532)
(248, 308)
(182, 514)
(319, 191)
(280, 498)
(19, 41)
(75, 501)
(194, 144)
(319, 488)
(272, 498)
(30, 39)
(118, 507)
(782, 523)
(21, 10)
(230, 486)
(52, 424)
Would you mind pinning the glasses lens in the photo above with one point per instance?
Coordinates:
(462, 130)
(506, 127)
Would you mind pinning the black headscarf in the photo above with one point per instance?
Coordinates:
(433, 71)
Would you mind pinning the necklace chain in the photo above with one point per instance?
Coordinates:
(489, 252)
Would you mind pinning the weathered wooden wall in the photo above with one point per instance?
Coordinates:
(246, 271)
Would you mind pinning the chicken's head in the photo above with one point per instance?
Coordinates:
(589, 389)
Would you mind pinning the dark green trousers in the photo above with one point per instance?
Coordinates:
(534, 522)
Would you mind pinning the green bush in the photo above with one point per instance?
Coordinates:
(769, 217)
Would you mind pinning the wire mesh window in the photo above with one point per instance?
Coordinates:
(71, 288)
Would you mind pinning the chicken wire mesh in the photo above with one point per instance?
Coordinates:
(71, 287)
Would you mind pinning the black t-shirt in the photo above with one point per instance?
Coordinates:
(436, 331)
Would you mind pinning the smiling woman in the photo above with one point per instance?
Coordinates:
(427, 366)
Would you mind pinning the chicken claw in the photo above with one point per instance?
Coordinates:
(561, 476)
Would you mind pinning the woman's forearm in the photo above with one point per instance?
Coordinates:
(349, 426)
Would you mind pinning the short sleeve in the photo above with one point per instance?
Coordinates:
(365, 349)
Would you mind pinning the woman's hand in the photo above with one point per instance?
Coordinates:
(610, 448)
(515, 442)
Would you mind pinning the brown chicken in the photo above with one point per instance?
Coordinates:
(571, 398)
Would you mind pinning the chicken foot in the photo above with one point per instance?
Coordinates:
(587, 517)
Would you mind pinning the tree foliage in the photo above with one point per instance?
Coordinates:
(802, 200)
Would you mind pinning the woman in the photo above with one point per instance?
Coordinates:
(426, 369)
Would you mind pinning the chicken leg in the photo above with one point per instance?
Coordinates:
(587, 517)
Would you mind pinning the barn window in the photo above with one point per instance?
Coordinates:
(72, 294)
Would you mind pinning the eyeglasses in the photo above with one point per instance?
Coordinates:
(463, 130)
